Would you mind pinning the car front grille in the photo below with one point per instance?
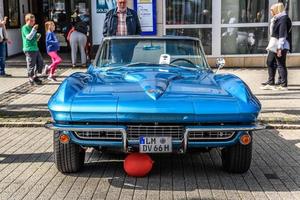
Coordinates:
(200, 135)
(135, 131)
(100, 135)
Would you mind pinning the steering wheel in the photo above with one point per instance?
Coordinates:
(183, 59)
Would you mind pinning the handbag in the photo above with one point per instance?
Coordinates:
(273, 45)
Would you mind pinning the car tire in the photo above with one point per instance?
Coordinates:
(69, 158)
(237, 158)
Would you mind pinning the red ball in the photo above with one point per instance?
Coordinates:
(138, 164)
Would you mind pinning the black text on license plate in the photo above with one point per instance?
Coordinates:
(155, 144)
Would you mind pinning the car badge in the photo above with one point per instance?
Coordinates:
(152, 91)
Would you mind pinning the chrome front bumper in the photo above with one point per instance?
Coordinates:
(184, 143)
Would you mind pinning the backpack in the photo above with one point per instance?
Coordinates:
(81, 27)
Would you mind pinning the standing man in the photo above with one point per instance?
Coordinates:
(34, 58)
(3, 40)
(121, 21)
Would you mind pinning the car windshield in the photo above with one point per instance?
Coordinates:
(127, 52)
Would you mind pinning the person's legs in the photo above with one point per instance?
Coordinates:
(39, 62)
(2, 59)
(31, 59)
(281, 62)
(272, 67)
(82, 45)
(74, 47)
(56, 60)
(31, 63)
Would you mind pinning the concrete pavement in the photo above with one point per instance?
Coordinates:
(22, 104)
(27, 172)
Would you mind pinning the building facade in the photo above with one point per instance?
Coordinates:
(234, 29)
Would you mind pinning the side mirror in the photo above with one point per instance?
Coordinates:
(220, 64)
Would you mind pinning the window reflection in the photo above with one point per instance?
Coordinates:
(245, 11)
(294, 9)
(296, 39)
(244, 40)
(188, 11)
(203, 34)
(11, 10)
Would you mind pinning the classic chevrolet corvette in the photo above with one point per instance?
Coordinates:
(153, 95)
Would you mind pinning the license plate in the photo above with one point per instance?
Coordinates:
(155, 144)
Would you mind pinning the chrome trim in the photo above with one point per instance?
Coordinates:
(253, 127)
(166, 37)
(54, 127)
(135, 131)
(122, 129)
(96, 135)
(217, 133)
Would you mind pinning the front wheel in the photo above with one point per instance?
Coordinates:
(69, 158)
(237, 158)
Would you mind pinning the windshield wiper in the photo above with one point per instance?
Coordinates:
(150, 64)
(107, 69)
(188, 68)
(139, 63)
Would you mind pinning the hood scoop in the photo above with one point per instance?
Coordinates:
(154, 83)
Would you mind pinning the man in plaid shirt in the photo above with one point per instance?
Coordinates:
(121, 21)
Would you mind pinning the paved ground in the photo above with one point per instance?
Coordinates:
(23, 103)
(27, 172)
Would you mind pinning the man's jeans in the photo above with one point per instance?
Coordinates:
(2, 58)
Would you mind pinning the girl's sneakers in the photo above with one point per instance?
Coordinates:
(45, 71)
(52, 78)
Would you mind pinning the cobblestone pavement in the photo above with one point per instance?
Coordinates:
(27, 172)
(21, 102)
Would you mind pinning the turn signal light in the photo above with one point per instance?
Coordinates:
(245, 139)
(64, 139)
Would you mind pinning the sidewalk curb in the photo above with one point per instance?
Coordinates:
(283, 126)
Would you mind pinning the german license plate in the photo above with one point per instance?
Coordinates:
(155, 144)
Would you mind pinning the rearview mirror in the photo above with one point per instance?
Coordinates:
(220, 64)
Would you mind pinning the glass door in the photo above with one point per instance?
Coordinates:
(59, 11)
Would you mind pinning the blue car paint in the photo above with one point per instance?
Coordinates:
(177, 95)
(158, 93)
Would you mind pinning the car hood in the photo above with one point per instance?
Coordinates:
(153, 94)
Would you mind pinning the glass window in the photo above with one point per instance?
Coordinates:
(204, 34)
(244, 40)
(296, 39)
(294, 9)
(245, 11)
(11, 10)
(189, 11)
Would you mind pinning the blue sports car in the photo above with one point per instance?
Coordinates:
(153, 95)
